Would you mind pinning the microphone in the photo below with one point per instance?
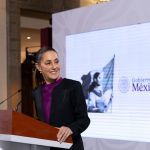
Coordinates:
(10, 96)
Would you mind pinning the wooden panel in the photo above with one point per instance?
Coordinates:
(26, 126)
(5, 122)
(15, 123)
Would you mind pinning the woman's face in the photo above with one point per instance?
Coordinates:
(100, 78)
(49, 66)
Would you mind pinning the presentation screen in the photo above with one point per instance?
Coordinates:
(113, 66)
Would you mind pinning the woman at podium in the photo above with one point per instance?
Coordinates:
(59, 101)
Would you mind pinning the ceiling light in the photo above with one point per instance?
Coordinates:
(28, 37)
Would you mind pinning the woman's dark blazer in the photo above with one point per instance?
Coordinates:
(68, 108)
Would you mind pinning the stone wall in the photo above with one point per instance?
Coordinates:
(13, 51)
(3, 54)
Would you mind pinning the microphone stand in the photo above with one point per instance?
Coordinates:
(10, 96)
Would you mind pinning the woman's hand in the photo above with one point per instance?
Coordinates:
(63, 134)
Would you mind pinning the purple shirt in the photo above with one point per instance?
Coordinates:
(47, 98)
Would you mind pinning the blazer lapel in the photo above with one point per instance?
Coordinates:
(39, 104)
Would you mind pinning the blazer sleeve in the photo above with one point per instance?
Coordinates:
(82, 120)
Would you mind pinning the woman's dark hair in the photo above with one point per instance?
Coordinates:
(94, 83)
(40, 53)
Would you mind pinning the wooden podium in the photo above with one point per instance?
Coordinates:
(17, 127)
